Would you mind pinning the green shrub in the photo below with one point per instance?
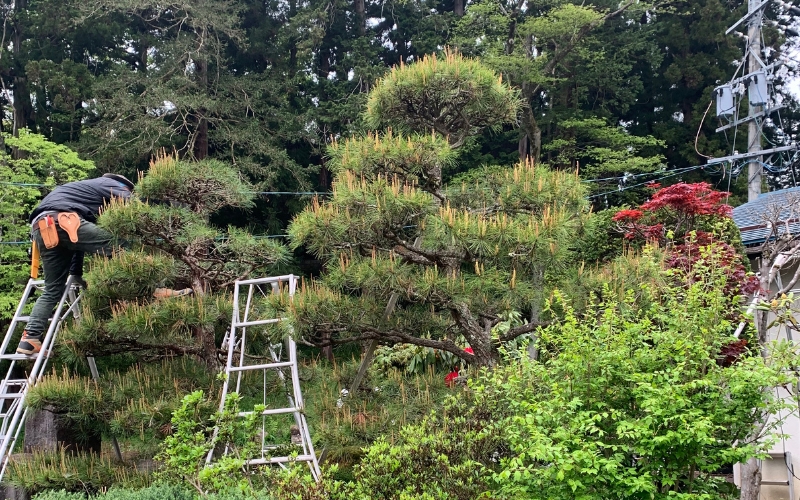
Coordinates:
(63, 471)
(155, 492)
(636, 398)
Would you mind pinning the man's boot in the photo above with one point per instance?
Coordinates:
(29, 344)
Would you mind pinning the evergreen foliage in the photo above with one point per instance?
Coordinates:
(458, 257)
(454, 96)
(172, 244)
(136, 402)
(64, 471)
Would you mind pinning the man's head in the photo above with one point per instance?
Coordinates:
(121, 179)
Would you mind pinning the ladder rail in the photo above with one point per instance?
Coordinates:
(29, 287)
(788, 464)
(11, 430)
(242, 343)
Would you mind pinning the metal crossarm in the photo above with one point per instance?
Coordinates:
(14, 390)
(283, 362)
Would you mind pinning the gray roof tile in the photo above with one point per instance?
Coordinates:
(749, 218)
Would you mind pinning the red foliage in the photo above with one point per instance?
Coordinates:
(687, 255)
(627, 215)
(677, 208)
(690, 199)
(450, 378)
(674, 208)
(731, 353)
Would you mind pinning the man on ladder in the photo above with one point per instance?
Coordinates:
(63, 229)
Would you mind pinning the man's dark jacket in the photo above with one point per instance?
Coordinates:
(84, 197)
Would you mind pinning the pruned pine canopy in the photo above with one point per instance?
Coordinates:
(172, 245)
(457, 257)
(454, 96)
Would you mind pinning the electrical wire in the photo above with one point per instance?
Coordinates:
(673, 174)
(295, 193)
(699, 128)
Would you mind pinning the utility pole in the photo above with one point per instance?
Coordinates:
(754, 168)
(756, 84)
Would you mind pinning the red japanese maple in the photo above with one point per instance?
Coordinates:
(680, 208)
(689, 200)
(677, 208)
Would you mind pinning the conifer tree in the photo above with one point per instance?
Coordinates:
(169, 218)
(450, 258)
(171, 244)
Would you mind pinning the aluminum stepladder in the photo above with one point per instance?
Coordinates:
(284, 358)
(786, 458)
(14, 390)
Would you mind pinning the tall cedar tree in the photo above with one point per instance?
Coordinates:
(454, 258)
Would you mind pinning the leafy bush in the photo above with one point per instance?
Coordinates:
(415, 359)
(429, 463)
(183, 453)
(624, 402)
(40, 166)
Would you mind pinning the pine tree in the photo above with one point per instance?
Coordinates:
(455, 258)
(172, 244)
(169, 216)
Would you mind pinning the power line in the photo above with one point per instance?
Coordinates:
(219, 238)
(673, 174)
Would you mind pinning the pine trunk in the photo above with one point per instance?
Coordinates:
(484, 354)
(209, 348)
(361, 17)
(200, 149)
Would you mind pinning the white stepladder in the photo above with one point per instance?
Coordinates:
(282, 360)
(14, 390)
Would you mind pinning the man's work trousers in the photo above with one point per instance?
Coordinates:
(57, 262)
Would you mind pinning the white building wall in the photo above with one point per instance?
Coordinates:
(775, 468)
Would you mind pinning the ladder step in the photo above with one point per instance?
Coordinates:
(238, 324)
(25, 319)
(774, 483)
(281, 460)
(283, 364)
(19, 357)
(278, 446)
(275, 411)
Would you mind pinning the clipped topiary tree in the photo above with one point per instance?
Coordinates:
(413, 258)
(168, 217)
(173, 245)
